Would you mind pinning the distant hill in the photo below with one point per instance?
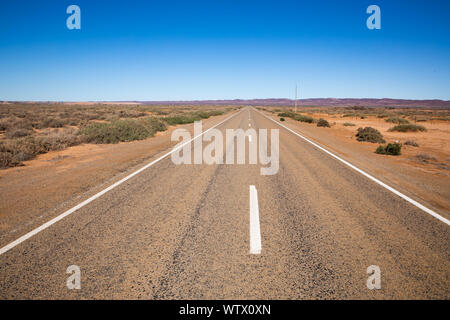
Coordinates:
(320, 102)
(326, 102)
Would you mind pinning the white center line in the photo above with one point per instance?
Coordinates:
(255, 233)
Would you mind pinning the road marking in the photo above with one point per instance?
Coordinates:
(98, 195)
(398, 193)
(255, 233)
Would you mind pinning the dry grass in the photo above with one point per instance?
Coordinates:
(30, 129)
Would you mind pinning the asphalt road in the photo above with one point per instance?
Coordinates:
(182, 232)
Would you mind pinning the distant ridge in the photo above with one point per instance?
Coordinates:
(326, 102)
(317, 102)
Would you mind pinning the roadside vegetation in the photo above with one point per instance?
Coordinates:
(393, 149)
(397, 120)
(408, 128)
(369, 134)
(121, 130)
(323, 123)
(191, 117)
(391, 128)
(297, 117)
(30, 129)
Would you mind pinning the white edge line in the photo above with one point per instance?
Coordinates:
(98, 195)
(255, 232)
(398, 193)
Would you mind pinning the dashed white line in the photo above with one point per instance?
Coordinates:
(255, 233)
(98, 195)
(398, 193)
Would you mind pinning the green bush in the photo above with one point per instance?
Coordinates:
(369, 134)
(349, 124)
(114, 132)
(153, 125)
(303, 118)
(282, 119)
(397, 120)
(408, 128)
(393, 149)
(323, 123)
(191, 117)
(286, 114)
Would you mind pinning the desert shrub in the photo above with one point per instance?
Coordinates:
(131, 114)
(181, 119)
(47, 123)
(7, 160)
(302, 118)
(4, 125)
(191, 117)
(397, 120)
(282, 119)
(207, 114)
(393, 149)
(411, 143)
(59, 140)
(380, 116)
(369, 134)
(408, 128)
(12, 123)
(286, 114)
(153, 125)
(121, 130)
(114, 132)
(323, 123)
(349, 124)
(18, 133)
(13, 152)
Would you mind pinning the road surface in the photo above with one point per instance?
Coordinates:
(183, 232)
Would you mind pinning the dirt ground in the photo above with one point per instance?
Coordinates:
(426, 180)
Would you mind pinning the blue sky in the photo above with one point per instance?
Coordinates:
(222, 49)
